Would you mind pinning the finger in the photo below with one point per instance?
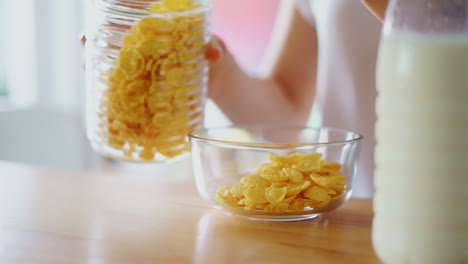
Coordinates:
(216, 50)
(83, 40)
(378, 7)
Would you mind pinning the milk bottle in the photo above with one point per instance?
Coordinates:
(421, 179)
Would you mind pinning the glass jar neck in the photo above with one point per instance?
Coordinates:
(143, 7)
(427, 16)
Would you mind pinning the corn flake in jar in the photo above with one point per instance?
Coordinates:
(154, 92)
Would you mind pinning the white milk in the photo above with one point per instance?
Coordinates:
(421, 203)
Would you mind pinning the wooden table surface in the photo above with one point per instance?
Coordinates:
(52, 216)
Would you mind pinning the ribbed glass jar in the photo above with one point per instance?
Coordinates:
(146, 76)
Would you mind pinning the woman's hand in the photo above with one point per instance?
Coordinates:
(222, 65)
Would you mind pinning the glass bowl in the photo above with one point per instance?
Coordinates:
(275, 173)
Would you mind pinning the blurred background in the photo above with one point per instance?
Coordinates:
(42, 92)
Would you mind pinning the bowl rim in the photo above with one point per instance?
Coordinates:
(358, 137)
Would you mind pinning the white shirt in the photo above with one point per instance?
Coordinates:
(348, 37)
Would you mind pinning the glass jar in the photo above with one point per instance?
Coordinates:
(421, 178)
(146, 76)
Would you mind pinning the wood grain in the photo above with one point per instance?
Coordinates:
(57, 217)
